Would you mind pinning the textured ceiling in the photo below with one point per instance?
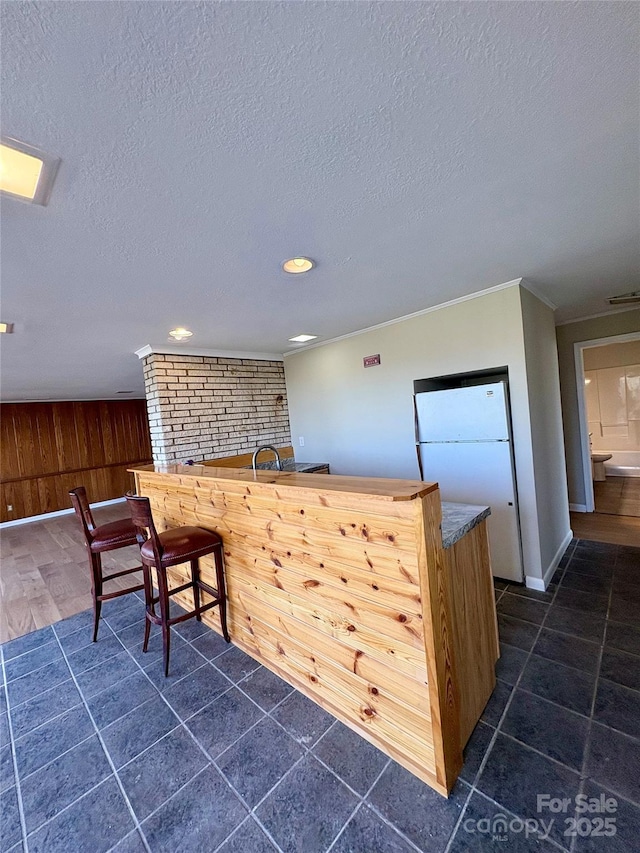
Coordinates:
(417, 151)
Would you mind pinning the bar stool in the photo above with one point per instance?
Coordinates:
(163, 550)
(106, 537)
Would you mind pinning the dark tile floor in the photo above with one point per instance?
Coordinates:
(99, 752)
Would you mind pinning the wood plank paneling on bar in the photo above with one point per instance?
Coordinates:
(388, 559)
(475, 634)
(356, 651)
(443, 686)
(359, 611)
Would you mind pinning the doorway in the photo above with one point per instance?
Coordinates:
(608, 386)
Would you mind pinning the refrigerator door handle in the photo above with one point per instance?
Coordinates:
(415, 426)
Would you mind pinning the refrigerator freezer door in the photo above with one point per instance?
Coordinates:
(480, 473)
(476, 413)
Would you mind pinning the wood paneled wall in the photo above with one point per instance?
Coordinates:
(48, 448)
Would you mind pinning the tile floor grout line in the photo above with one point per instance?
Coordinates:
(364, 804)
(587, 745)
(212, 761)
(550, 758)
(14, 760)
(562, 707)
(527, 656)
(108, 756)
(252, 811)
(28, 674)
(178, 725)
(29, 651)
(253, 816)
(115, 846)
(72, 803)
(250, 818)
(502, 808)
(174, 794)
(337, 775)
(49, 719)
(498, 729)
(66, 752)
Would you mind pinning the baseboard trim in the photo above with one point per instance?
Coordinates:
(47, 515)
(578, 507)
(542, 583)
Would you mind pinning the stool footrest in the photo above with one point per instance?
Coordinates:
(157, 620)
(121, 573)
(108, 595)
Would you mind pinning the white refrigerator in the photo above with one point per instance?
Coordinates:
(463, 438)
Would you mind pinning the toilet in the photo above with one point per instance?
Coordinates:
(597, 466)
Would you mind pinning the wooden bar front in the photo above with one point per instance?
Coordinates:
(341, 586)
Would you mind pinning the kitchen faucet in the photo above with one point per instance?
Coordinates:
(266, 447)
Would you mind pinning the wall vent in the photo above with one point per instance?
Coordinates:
(624, 298)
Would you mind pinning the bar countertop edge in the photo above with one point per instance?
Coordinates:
(378, 488)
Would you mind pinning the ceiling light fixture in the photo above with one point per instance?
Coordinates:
(302, 339)
(298, 265)
(26, 173)
(180, 334)
(6, 328)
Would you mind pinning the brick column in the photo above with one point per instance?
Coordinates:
(203, 407)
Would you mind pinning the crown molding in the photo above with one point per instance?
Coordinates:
(532, 288)
(476, 295)
(601, 314)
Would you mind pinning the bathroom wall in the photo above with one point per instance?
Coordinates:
(568, 334)
(612, 395)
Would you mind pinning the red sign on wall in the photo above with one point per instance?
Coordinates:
(371, 360)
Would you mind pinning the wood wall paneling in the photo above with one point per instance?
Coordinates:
(241, 460)
(49, 448)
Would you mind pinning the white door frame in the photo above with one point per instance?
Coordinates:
(578, 357)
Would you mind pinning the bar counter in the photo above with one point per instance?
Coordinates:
(343, 588)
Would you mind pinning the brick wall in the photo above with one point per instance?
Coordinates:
(200, 407)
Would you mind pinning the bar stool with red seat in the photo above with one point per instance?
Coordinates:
(163, 550)
(98, 539)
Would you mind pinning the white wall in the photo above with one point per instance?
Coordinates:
(545, 411)
(360, 420)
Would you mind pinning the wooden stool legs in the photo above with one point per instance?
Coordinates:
(222, 593)
(99, 539)
(96, 591)
(163, 601)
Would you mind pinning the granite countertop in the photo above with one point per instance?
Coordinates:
(458, 519)
(291, 465)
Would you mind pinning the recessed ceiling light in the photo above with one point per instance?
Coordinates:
(297, 265)
(25, 172)
(180, 334)
(301, 339)
(6, 328)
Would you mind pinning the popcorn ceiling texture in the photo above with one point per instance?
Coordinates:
(418, 152)
(202, 408)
